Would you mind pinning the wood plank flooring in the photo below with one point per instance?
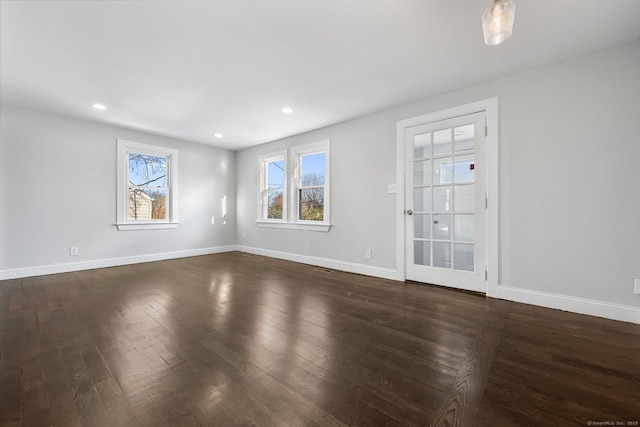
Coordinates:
(233, 339)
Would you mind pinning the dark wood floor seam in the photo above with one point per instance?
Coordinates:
(463, 400)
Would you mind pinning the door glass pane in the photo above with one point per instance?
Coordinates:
(463, 199)
(443, 172)
(442, 142)
(442, 255)
(442, 226)
(464, 138)
(422, 172)
(422, 226)
(463, 254)
(422, 199)
(422, 146)
(464, 228)
(422, 252)
(442, 199)
(464, 169)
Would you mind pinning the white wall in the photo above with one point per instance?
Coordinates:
(569, 181)
(361, 210)
(58, 189)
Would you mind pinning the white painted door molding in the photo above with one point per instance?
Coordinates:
(490, 109)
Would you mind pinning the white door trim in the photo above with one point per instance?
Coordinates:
(490, 108)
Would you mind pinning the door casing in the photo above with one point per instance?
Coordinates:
(490, 108)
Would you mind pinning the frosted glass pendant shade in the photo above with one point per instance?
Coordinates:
(497, 21)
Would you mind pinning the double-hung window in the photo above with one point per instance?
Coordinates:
(295, 188)
(147, 189)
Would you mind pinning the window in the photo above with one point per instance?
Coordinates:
(294, 188)
(147, 190)
(311, 189)
(274, 188)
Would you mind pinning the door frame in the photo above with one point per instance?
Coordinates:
(490, 108)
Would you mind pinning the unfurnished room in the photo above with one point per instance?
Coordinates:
(335, 213)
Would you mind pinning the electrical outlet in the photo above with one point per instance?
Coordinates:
(73, 250)
(392, 189)
(636, 286)
(367, 253)
(244, 235)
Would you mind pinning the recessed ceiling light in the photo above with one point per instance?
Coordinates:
(99, 106)
(287, 110)
(218, 135)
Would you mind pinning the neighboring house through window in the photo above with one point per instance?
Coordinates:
(147, 190)
(295, 188)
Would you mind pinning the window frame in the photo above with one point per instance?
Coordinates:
(124, 148)
(293, 184)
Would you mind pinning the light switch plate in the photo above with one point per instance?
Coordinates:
(636, 286)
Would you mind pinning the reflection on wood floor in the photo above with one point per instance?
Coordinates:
(234, 339)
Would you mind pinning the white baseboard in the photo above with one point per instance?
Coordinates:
(17, 273)
(350, 267)
(589, 307)
(624, 313)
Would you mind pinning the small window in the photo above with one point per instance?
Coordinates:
(296, 196)
(147, 186)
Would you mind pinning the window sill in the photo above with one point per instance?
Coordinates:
(323, 226)
(130, 226)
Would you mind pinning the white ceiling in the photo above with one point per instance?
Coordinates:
(189, 69)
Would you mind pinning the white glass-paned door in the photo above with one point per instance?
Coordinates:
(445, 200)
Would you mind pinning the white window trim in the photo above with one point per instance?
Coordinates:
(292, 167)
(125, 147)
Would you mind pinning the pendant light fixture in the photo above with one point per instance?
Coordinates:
(497, 21)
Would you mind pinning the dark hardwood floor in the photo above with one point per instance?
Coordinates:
(234, 339)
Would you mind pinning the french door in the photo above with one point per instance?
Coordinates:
(445, 205)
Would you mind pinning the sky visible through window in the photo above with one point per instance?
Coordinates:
(275, 174)
(313, 167)
(146, 170)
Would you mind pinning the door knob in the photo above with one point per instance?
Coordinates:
(409, 212)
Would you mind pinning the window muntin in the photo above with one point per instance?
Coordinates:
(147, 186)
